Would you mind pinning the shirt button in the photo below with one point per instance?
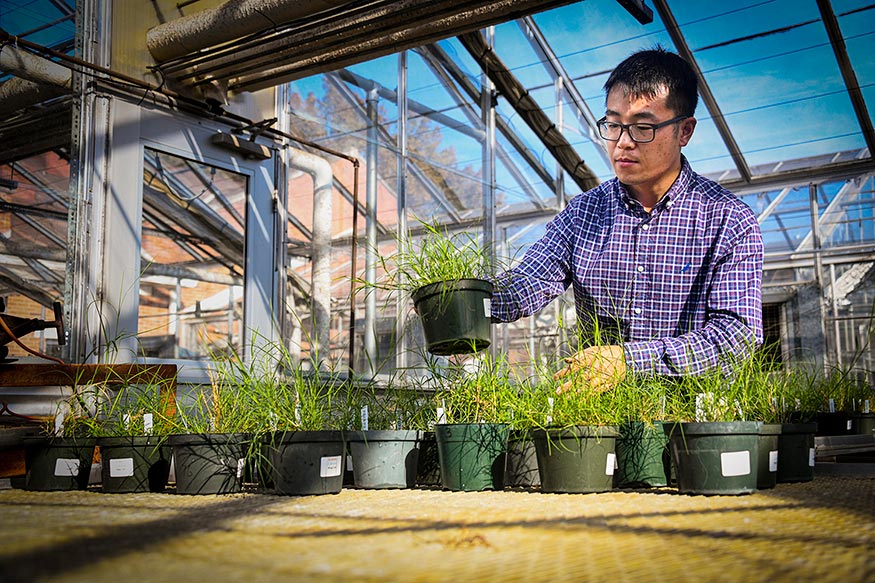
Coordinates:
(637, 310)
(640, 268)
(645, 226)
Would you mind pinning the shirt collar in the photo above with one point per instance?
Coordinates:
(674, 194)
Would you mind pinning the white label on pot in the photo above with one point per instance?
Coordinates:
(121, 467)
(610, 464)
(241, 466)
(773, 461)
(441, 416)
(811, 457)
(866, 406)
(850, 424)
(330, 466)
(147, 423)
(364, 418)
(735, 463)
(66, 467)
(487, 307)
(348, 463)
(832, 406)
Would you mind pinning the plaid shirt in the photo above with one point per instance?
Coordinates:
(680, 287)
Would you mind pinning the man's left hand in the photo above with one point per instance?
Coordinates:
(598, 368)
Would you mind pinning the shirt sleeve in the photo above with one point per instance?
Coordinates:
(543, 274)
(733, 316)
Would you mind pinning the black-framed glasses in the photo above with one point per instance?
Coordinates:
(638, 132)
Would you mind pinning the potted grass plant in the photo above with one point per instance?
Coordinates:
(446, 275)
(643, 458)
(61, 458)
(474, 405)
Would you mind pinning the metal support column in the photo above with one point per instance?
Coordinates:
(401, 197)
(370, 329)
(818, 268)
(487, 111)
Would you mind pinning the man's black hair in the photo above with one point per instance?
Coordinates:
(645, 73)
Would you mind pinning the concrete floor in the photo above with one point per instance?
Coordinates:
(818, 531)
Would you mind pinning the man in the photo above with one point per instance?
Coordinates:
(665, 265)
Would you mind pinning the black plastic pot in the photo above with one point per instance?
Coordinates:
(384, 459)
(864, 424)
(767, 464)
(209, 463)
(134, 464)
(471, 455)
(837, 423)
(643, 458)
(455, 315)
(717, 458)
(521, 461)
(305, 463)
(576, 459)
(796, 452)
(58, 463)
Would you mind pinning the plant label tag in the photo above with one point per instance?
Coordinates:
(735, 463)
(121, 468)
(832, 406)
(866, 406)
(241, 466)
(364, 418)
(441, 416)
(66, 467)
(487, 307)
(330, 466)
(850, 424)
(126, 420)
(773, 461)
(811, 457)
(147, 423)
(349, 463)
(610, 464)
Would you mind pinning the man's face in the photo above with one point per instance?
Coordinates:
(648, 169)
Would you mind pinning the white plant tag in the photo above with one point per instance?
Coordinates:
(866, 406)
(364, 414)
(798, 404)
(811, 457)
(330, 466)
(735, 463)
(550, 414)
(348, 463)
(241, 466)
(441, 416)
(773, 461)
(610, 464)
(298, 415)
(66, 467)
(121, 467)
(126, 420)
(832, 406)
(147, 423)
(850, 424)
(487, 307)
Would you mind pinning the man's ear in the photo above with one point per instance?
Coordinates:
(687, 127)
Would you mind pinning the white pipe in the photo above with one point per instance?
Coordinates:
(231, 20)
(34, 68)
(18, 93)
(320, 285)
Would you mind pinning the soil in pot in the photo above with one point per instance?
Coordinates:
(578, 459)
(384, 459)
(521, 461)
(471, 455)
(796, 452)
(57, 463)
(643, 458)
(715, 458)
(456, 316)
(305, 463)
(767, 464)
(209, 463)
(134, 464)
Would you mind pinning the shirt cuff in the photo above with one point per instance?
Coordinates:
(644, 357)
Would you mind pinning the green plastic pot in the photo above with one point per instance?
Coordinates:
(456, 316)
(59, 463)
(471, 455)
(643, 458)
(521, 461)
(796, 452)
(134, 464)
(209, 463)
(715, 458)
(767, 464)
(384, 459)
(579, 459)
(306, 463)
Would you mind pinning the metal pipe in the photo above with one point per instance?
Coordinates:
(371, 232)
(818, 267)
(401, 197)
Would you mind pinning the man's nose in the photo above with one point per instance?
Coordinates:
(625, 141)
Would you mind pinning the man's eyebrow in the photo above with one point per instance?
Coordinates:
(640, 115)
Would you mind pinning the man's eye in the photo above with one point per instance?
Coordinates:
(642, 127)
(611, 125)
